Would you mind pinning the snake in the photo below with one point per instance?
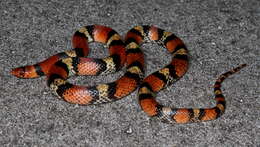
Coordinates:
(128, 52)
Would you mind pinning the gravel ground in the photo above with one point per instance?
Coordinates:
(220, 34)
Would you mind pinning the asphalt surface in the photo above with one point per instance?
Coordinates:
(220, 35)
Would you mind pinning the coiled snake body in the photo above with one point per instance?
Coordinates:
(60, 67)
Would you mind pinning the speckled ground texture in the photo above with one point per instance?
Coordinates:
(219, 34)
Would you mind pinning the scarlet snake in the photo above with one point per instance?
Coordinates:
(60, 67)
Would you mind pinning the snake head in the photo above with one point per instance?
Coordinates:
(24, 72)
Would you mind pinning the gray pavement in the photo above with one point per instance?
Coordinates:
(220, 34)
